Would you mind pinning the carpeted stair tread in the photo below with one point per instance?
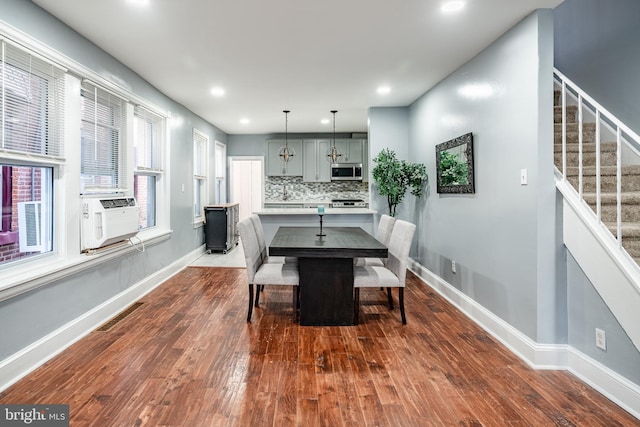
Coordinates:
(628, 197)
(604, 170)
(587, 147)
(629, 229)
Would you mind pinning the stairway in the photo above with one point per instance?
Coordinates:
(608, 180)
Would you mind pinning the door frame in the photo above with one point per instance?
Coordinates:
(261, 159)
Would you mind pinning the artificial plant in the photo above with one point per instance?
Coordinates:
(394, 177)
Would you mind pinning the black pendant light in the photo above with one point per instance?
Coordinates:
(333, 156)
(285, 152)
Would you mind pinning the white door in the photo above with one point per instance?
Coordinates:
(247, 183)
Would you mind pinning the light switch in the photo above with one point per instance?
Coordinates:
(523, 177)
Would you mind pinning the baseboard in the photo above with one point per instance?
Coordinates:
(18, 365)
(539, 356)
(612, 385)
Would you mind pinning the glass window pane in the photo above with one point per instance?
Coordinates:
(145, 194)
(27, 212)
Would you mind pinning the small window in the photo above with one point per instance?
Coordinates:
(200, 177)
(148, 143)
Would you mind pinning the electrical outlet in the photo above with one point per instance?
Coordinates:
(453, 266)
(601, 339)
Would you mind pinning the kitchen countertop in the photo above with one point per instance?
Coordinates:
(313, 211)
(299, 202)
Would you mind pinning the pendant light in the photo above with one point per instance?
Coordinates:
(285, 152)
(333, 156)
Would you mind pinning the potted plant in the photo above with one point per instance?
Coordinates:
(394, 177)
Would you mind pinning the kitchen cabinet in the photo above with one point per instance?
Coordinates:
(352, 150)
(275, 165)
(316, 167)
(221, 227)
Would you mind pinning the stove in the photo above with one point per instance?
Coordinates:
(348, 203)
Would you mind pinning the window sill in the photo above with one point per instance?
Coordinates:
(24, 278)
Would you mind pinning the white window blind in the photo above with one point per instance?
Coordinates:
(148, 137)
(103, 153)
(31, 105)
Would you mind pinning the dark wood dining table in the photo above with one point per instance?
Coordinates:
(325, 264)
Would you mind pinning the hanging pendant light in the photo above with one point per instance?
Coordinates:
(333, 156)
(285, 152)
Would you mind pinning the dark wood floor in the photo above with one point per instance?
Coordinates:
(187, 357)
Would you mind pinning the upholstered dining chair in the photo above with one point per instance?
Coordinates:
(257, 226)
(383, 234)
(392, 275)
(260, 273)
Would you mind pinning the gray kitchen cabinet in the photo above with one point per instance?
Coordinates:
(316, 167)
(352, 150)
(275, 165)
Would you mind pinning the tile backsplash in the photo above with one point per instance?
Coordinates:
(313, 191)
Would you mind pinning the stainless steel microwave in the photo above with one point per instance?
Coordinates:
(346, 172)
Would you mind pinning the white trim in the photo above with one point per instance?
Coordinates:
(613, 386)
(16, 36)
(56, 268)
(610, 384)
(538, 356)
(18, 365)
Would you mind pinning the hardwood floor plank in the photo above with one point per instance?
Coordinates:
(187, 356)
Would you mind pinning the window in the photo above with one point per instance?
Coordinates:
(221, 172)
(200, 179)
(103, 155)
(148, 143)
(31, 129)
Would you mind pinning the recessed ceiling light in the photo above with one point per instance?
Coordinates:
(384, 90)
(217, 91)
(452, 6)
(245, 121)
(325, 121)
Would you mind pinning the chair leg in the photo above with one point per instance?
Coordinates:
(390, 298)
(401, 302)
(258, 288)
(295, 304)
(356, 306)
(250, 302)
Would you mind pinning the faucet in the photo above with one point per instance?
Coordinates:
(285, 196)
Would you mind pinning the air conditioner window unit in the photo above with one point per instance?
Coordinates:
(106, 221)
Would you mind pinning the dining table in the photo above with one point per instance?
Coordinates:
(326, 265)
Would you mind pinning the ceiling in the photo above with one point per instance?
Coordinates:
(306, 56)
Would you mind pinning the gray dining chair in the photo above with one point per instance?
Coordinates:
(260, 273)
(392, 275)
(383, 234)
(257, 226)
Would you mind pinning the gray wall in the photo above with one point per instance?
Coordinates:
(388, 128)
(501, 237)
(587, 312)
(31, 316)
(597, 45)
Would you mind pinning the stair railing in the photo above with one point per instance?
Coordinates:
(624, 135)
